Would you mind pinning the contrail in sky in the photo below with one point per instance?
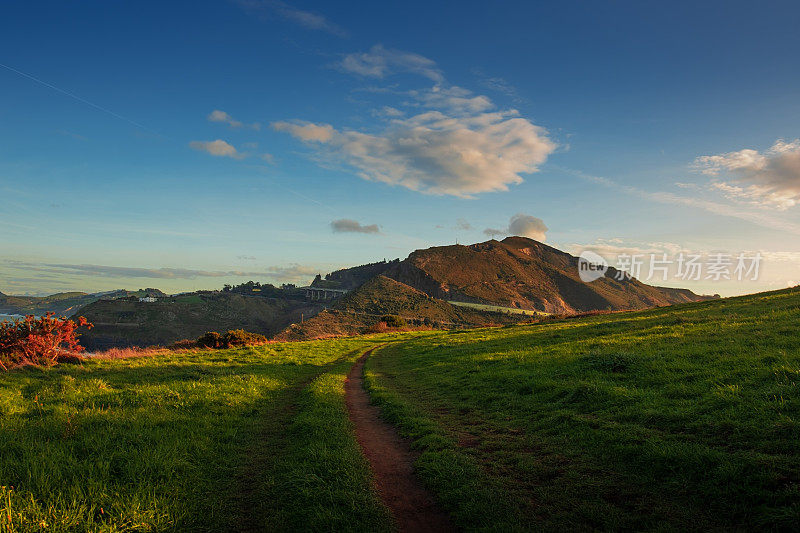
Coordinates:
(79, 99)
(126, 119)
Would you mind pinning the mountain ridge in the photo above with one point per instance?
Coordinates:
(522, 273)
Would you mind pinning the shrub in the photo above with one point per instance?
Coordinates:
(210, 339)
(39, 341)
(394, 321)
(378, 327)
(240, 337)
(231, 338)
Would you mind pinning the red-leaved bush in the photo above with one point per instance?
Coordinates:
(38, 341)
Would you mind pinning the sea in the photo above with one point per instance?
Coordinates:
(9, 318)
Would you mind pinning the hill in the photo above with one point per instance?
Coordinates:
(676, 418)
(362, 308)
(516, 274)
(523, 273)
(64, 303)
(353, 277)
(128, 322)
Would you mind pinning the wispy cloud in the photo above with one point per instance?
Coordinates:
(306, 131)
(218, 148)
(664, 197)
(499, 85)
(280, 273)
(346, 225)
(379, 62)
(306, 19)
(766, 179)
(221, 116)
(463, 225)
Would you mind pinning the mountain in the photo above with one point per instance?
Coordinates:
(489, 283)
(523, 273)
(501, 279)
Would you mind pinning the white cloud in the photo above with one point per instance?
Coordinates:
(459, 145)
(306, 131)
(380, 62)
(611, 248)
(346, 225)
(459, 153)
(455, 99)
(222, 116)
(217, 148)
(523, 226)
(768, 179)
(755, 217)
(527, 226)
(387, 111)
(307, 19)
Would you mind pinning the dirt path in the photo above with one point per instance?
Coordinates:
(392, 461)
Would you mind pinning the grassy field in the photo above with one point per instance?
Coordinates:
(679, 418)
(685, 417)
(499, 309)
(237, 439)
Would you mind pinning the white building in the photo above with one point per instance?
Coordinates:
(148, 299)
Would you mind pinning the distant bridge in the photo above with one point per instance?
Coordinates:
(321, 293)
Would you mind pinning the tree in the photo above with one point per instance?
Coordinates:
(39, 341)
(394, 321)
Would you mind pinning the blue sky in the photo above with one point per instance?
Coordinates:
(187, 145)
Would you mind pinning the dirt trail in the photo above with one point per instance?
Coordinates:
(392, 461)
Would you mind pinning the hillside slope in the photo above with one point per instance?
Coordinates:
(682, 418)
(380, 296)
(64, 303)
(523, 273)
(126, 322)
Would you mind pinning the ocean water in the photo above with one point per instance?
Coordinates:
(9, 318)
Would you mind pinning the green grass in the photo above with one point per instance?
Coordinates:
(675, 418)
(499, 309)
(186, 442)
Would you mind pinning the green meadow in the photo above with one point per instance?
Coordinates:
(685, 417)
(248, 439)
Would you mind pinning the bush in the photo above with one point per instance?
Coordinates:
(39, 341)
(230, 339)
(394, 321)
(378, 327)
(210, 339)
(240, 337)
